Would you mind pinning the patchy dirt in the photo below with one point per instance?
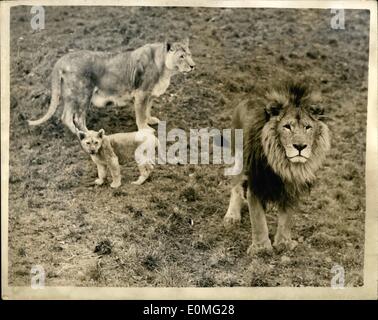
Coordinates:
(169, 231)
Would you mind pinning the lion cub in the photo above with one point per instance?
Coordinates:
(109, 151)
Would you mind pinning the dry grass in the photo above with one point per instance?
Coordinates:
(169, 231)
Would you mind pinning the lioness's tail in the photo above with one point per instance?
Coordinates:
(56, 81)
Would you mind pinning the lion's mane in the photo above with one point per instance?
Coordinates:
(271, 176)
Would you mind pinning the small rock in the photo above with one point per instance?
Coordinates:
(213, 261)
(312, 54)
(285, 259)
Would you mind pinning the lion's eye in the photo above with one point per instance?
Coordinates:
(88, 143)
(96, 143)
(287, 126)
(308, 127)
(182, 56)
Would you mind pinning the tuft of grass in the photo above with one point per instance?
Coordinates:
(151, 262)
(189, 194)
(103, 247)
(119, 193)
(206, 280)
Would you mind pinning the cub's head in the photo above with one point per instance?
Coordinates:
(91, 141)
(179, 57)
(295, 139)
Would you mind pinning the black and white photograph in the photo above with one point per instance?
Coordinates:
(161, 145)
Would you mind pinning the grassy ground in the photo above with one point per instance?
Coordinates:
(169, 231)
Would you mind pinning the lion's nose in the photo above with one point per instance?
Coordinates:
(299, 147)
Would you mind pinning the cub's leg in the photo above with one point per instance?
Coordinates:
(151, 120)
(115, 171)
(233, 215)
(101, 169)
(145, 171)
(260, 236)
(282, 239)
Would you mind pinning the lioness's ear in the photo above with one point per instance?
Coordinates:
(186, 42)
(273, 110)
(81, 134)
(101, 133)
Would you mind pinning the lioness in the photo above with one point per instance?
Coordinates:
(100, 78)
(108, 152)
(285, 142)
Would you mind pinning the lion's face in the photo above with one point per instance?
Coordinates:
(295, 138)
(296, 133)
(91, 141)
(179, 57)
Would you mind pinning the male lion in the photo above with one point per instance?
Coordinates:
(109, 151)
(100, 78)
(285, 142)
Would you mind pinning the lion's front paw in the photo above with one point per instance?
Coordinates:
(257, 248)
(115, 184)
(231, 220)
(153, 120)
(99, 181)
(285, 245)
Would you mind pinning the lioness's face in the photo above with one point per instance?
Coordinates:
(179, 57)
(91, 141)
(296, 133)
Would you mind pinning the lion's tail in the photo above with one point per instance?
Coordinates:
(55, 95)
